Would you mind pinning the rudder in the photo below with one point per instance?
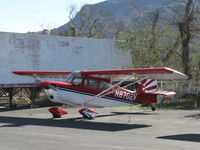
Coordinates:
(148, 86)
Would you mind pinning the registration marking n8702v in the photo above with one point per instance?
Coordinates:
(125, 95)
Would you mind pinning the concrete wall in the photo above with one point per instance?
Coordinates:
(41, 52)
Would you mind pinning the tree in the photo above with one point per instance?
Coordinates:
(148, 42)
(195, 57)
(186, 19)
(176, 45)
(89, 22)
(148, 49)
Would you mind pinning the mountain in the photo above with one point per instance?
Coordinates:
(122, 11)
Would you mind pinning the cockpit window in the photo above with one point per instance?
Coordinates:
(103, 85)
(91, 83)
(76, 80)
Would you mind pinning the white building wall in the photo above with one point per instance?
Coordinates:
(55, 53)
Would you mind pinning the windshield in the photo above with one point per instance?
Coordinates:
(73, 75)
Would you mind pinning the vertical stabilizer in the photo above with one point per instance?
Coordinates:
(148, 86)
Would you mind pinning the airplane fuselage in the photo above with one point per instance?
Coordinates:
(79, 94)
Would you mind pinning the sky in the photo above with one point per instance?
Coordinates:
(23, 16)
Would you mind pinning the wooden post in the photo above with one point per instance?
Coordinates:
(34, 92)
(195, 104)
(10, 95)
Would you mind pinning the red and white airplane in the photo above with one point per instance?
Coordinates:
(97, 89)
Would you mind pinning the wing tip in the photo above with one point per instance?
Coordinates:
(178, 74)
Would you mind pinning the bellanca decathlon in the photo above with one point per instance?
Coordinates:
(103, 88)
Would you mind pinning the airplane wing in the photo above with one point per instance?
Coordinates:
(118, 74)
(44, 74)
(150, 73)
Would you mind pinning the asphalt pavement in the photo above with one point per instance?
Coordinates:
(115, 129)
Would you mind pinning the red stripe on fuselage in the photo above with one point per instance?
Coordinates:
(123, 94)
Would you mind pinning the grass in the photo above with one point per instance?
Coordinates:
(181, 104)
(167, 104)
(171, 105)
(137, 106)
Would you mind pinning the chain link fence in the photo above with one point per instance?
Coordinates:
(185, 90)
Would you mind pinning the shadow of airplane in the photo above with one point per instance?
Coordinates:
(5, 109)
(127, 113)
(76, 123)
(195, 116)
(182, 137)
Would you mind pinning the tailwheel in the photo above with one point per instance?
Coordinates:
(57, 112)
(88, 113)
(153, 108)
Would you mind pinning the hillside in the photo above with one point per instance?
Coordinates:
(123, 11)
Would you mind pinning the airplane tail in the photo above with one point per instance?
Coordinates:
(150, 86)
(148, 93)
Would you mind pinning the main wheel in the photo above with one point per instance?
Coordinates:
(56, 116)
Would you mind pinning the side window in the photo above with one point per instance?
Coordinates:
(90, 83)
(103, 86)
(77, 80)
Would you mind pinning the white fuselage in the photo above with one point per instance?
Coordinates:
(77, 98)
